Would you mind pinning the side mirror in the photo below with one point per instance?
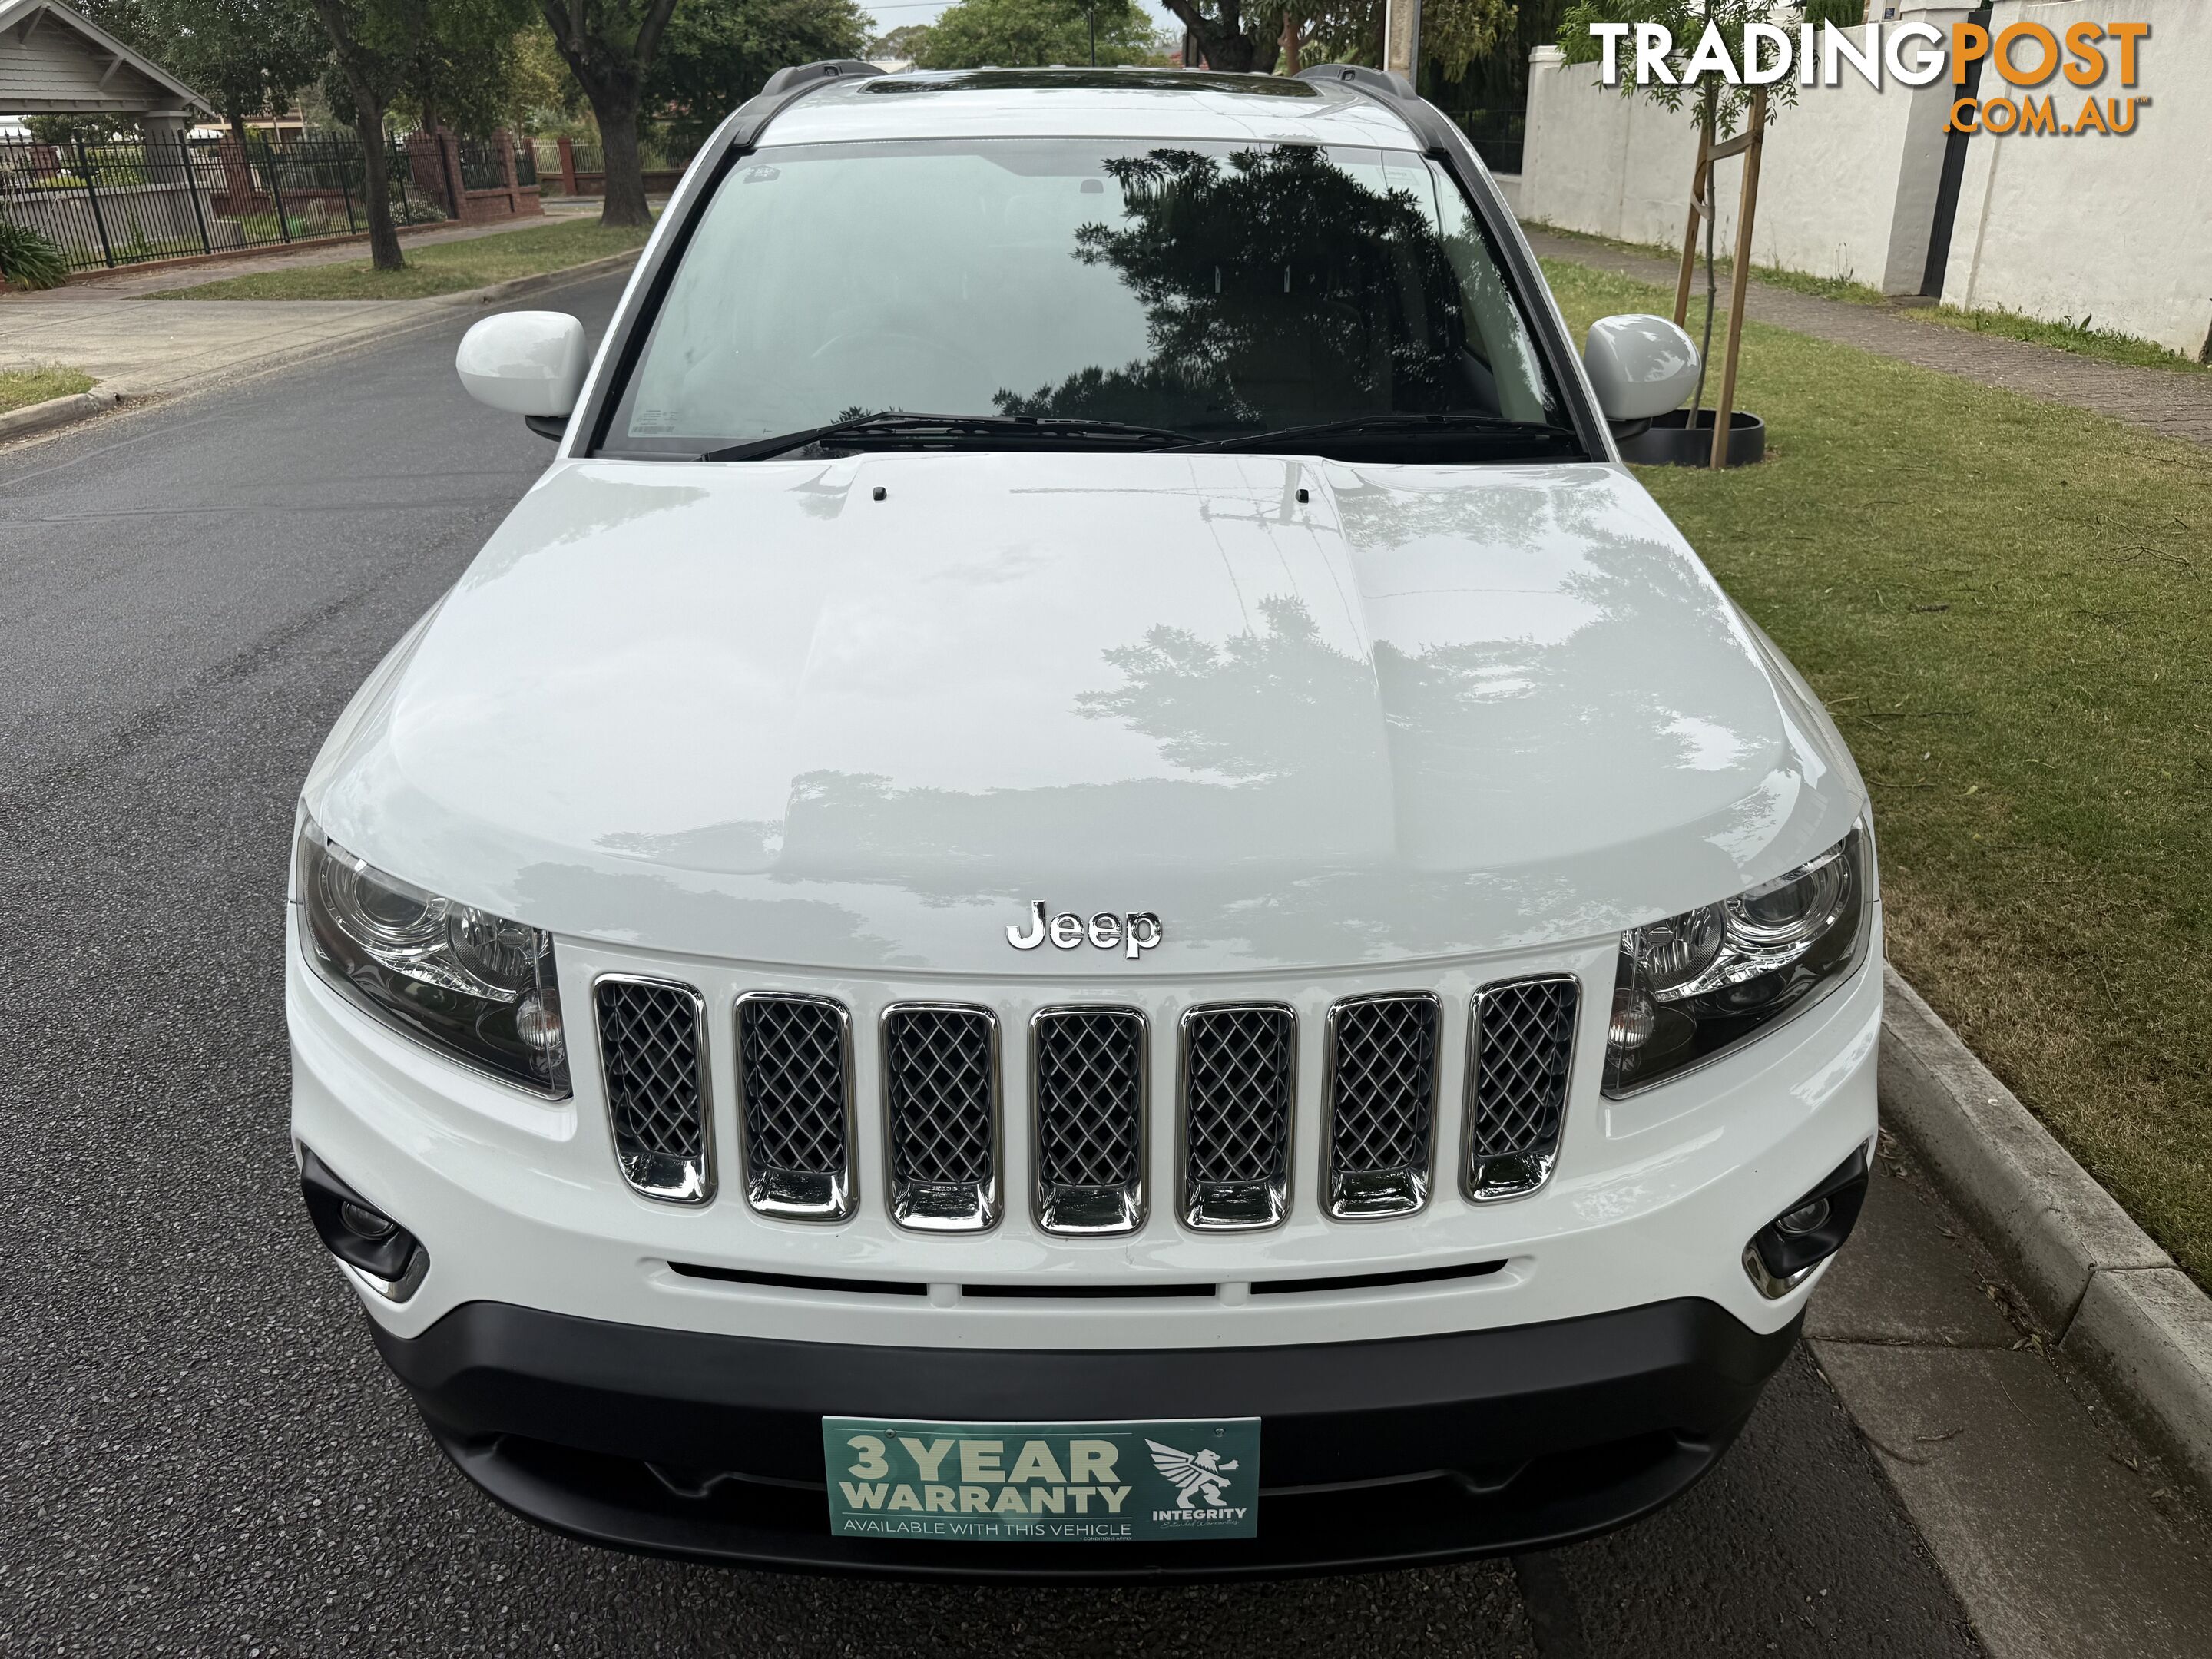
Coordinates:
(530, 363)
(1639, 367)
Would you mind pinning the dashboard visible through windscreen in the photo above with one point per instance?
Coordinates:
(1206, 290)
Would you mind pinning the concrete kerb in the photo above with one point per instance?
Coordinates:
(54, 411)
(43, 417)
(2115, 1299)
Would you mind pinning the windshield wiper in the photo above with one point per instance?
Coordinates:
(892, 426)
(1385, 425)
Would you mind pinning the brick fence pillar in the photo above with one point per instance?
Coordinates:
(568, 165)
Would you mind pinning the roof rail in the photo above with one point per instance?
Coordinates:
(1386, 87)
(829, 69)
(786, 87)
(1374, 83)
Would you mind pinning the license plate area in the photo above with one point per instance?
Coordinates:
(1143, 1481)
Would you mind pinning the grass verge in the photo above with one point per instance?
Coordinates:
(2083, 342)
(22, 388)
(439, 268)
(2005, 604)
(1846, 289)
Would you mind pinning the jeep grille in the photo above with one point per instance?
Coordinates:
(794, 1096)
(1238, 1080)
(1382, 1088)
(940, 1092)
(1089, 1085)
(1521, 1040)
(653, 1053)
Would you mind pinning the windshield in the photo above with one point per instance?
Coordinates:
(1209, 291)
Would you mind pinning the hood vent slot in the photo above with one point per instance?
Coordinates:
(652, 1051)
(795, 1101)
(1382, 1091)
(941, 1097)
(1089, 1082)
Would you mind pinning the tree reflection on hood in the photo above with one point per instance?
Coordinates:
(1279, 289)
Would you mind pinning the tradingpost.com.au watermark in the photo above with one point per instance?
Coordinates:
(2027, 56)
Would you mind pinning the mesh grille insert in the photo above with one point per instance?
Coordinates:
(1522, 1040)
(791, 1051)
(1089, 1117)
(1238, 1082)
(939, 1085)
(1382, 1092)
(649, 1052)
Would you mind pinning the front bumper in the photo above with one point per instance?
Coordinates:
(1372, 1454)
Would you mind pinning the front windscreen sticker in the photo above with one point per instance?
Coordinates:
(1069, 1482)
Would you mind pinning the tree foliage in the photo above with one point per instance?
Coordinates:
(1711, 99)
(1208, 245)
(1026, 33)
(244, 57)
(717, 53)
(458, 77)
(1258, 34)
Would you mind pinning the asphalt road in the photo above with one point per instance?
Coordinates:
(202, 1453)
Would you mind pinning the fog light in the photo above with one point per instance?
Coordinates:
(364, 1222)
(389, 1258)
(1805, 1218)
(1781, 1255)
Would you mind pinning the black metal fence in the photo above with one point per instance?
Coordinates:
(122, 203)
(1497, 135)
(483, 166)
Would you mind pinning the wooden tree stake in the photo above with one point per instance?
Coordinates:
(1701, 187)
(1740, 276)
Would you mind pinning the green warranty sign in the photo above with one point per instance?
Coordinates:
(1074, 1482)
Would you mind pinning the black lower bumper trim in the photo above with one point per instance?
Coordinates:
(1373, 1454)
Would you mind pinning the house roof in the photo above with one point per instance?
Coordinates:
(54, 60)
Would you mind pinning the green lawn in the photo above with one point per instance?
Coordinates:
(2006, 603)
(22, 388)
(439, 268)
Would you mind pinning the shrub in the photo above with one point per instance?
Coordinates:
(29, 259)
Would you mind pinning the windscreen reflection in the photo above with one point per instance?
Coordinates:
(1209, 289)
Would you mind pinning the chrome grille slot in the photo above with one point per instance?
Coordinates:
(652, 1056)
(1521, 1045)
(1382, 1090)
(1088, 1075)
(941, 1101)
(1239, 1078)
(795, 1102)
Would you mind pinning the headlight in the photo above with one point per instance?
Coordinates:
(1695, 984)
(476, 985)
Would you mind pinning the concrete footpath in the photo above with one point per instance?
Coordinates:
(137, 347)
(2175, 402)
(2061, 1533)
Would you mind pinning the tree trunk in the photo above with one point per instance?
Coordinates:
(1224, 41)
(1289, 49)
(624, 203)
(384, 252)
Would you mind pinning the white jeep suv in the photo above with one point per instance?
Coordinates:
(1086, 891)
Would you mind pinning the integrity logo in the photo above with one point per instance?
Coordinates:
(2025, 55)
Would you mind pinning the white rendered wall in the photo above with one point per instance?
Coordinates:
(1847, 185)
(2116, 229)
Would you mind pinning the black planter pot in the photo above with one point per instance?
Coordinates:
(1669, 441)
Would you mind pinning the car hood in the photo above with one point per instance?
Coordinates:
(1307, 713)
